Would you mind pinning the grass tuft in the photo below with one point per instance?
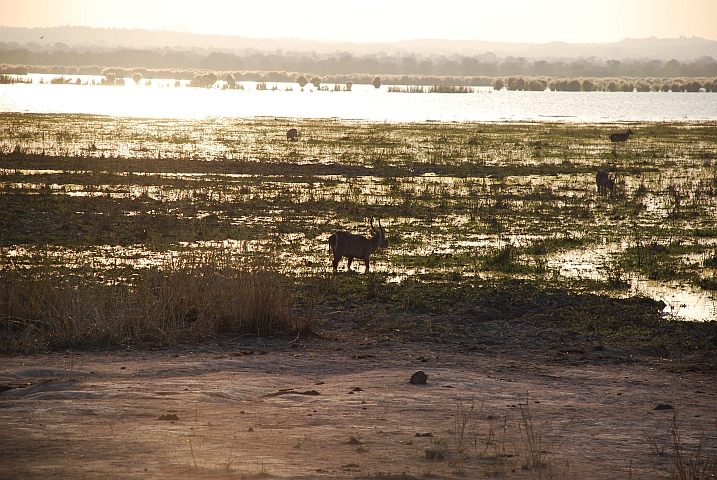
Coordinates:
(197, 294)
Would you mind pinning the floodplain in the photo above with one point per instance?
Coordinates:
(121, 233)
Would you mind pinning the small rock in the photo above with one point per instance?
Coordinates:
(662, 406)
(170, 417)
(419, 378)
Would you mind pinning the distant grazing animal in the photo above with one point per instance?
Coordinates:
(604, 182)
(620, 137)
(292, 134)
(345, 244)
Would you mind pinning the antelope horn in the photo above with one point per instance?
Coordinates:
(383, 233)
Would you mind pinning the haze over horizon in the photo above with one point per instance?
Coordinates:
(525, 21)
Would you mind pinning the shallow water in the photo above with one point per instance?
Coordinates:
(364, 102)
(679, 164)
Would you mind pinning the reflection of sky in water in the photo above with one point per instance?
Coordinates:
(681, 301)
(163, 100)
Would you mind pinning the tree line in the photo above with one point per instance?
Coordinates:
(650, 84)
(207, 79)
(348, 64)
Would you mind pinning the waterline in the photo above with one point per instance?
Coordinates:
(364, 102)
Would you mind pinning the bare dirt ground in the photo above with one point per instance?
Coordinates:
(325, 407)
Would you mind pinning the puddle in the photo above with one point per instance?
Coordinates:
(681, 302)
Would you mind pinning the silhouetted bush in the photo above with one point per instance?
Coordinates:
(515, 83)
(642, 86)
(588, 85)
(203, 80)
(677, 86)
(316, 82)
(61, 81)
(406, 89)
(111, 79)
(536, 85)
(231, 81)
(10, 79)
(692, 86)
(376, 82)
(450, 89)
(565, 85)
(498, 84)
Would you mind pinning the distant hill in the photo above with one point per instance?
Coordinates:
(99, 39)
(179, 54)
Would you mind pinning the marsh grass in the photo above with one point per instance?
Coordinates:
(195, 295)
(451, 89)
(535, 454)
(461, 432)
(501, 461)
(506, 259)
(406, 89)
(466, 206)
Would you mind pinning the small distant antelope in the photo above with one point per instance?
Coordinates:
(620, 137)
(604, 182)
(292, 134)
(345, 244)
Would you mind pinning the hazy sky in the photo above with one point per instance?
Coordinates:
(385, 20)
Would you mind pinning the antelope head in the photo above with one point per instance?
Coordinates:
(380, 234)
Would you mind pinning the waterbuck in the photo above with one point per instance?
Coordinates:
(620, 137)
(604, 182)
(292, 134)
(345, 244)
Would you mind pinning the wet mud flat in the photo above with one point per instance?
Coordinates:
(114, 197)
(322, 407)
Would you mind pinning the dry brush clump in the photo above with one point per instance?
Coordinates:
(194, 295)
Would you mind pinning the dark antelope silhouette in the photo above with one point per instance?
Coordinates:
(604, 182)
(620, 137)
(345, 244)
(292, 134)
